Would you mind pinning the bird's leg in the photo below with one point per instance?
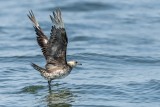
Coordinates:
(49, 84)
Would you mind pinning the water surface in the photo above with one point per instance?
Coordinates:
(116, 41)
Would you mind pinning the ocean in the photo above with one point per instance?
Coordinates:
(117, 42)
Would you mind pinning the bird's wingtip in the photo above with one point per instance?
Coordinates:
(57, 18)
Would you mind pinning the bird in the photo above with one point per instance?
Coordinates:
(54, 48)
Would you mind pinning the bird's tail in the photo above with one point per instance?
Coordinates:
(40, 69)
(57, 19)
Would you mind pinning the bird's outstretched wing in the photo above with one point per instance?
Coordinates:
(41, 38)
(57, 44)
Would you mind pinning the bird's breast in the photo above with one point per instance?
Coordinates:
(57, 73)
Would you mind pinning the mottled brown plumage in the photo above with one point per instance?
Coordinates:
(54, 49)
(41, 38)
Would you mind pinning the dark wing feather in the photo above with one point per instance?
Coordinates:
(41, 38)
(57, 45)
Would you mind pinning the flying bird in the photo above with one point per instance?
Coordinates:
(53, 48)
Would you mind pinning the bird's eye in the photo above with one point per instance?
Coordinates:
(76, 62)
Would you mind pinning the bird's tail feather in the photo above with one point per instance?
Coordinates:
(57, 19)
(40, 69)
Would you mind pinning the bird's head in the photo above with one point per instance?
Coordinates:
(73, 63)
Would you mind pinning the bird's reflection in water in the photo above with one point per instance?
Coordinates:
(59, 98)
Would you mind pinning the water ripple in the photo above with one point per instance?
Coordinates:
(32, 89)
(86, 6)
(116, 41)
(146, 92)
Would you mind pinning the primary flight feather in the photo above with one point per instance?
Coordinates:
(54, 49)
